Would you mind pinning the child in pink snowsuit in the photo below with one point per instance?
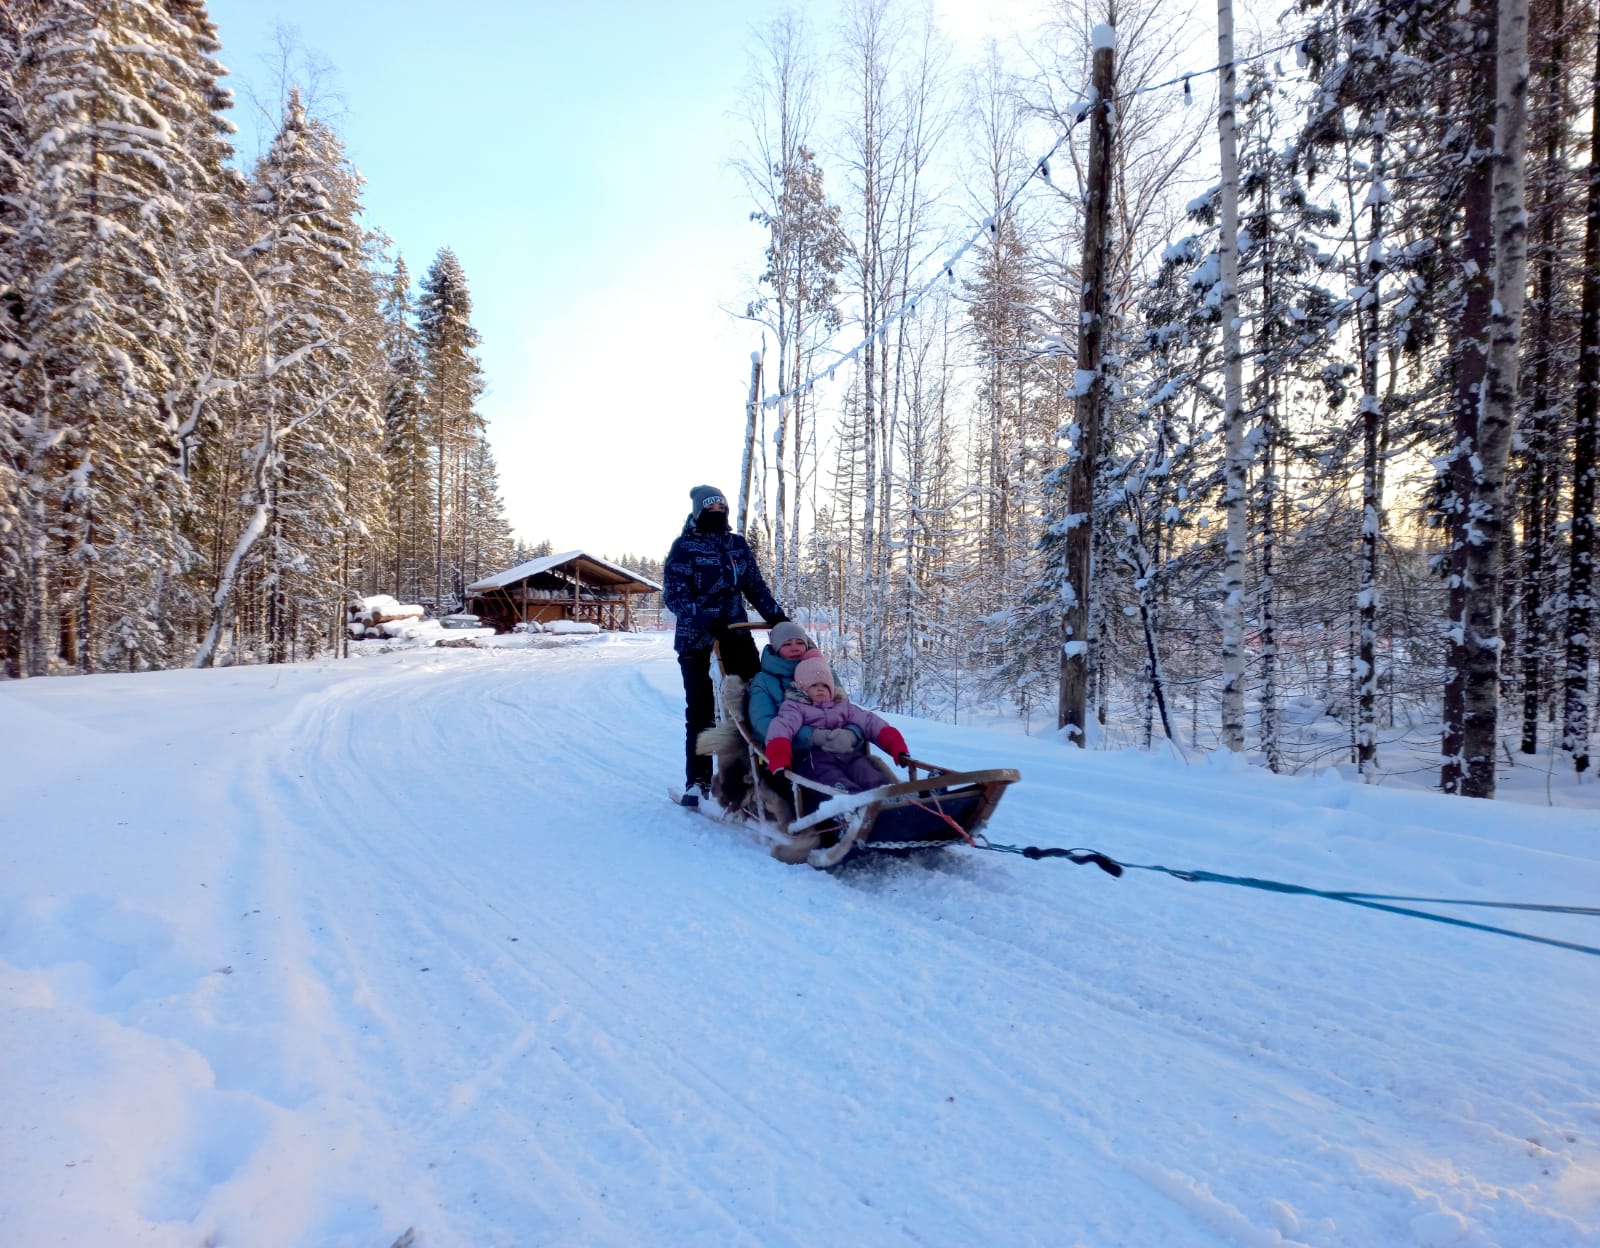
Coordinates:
(839, 733)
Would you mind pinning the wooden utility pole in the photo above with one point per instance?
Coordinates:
(747, 470)
(1089, 392)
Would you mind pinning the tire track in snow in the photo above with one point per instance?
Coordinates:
(948, 958)
(1188, 1012)
(452, 911)
(1044, 1128)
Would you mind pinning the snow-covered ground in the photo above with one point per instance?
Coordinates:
(412, 944)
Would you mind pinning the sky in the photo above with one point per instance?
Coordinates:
(576, 158)
(412, 949)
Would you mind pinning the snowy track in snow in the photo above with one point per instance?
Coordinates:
(420, 945)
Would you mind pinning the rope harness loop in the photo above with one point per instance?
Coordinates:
(1082, 857)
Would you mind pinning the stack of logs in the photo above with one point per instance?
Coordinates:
(382, 616)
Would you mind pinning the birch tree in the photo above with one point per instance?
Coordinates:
(1497, 413)
(1235, 499)
(798, 290)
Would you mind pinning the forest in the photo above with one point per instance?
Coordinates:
(224, 409)
(1278, 405)
(1148, 378)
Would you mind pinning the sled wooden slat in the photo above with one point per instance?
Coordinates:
(932, 788)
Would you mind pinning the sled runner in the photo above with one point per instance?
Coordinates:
(800, 820)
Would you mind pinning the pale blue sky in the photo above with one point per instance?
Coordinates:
(576, 158)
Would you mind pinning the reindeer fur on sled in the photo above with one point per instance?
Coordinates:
(732, 784)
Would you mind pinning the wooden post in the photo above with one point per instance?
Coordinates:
(1072, 707)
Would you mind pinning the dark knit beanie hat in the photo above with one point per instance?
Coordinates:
(703, 494)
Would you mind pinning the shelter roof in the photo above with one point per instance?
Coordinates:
(590, 568)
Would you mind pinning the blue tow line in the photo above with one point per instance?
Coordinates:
(1371, 901)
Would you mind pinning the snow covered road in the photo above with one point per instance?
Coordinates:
(323, 954)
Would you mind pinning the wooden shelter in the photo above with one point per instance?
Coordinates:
(571, 586)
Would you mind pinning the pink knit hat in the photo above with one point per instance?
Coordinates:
(810, 672)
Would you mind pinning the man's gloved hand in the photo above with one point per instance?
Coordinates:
(903, 758)
(834, 740)
(774, 620)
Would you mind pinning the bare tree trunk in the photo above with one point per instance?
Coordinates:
(1497, 415)
(1072, 710)
(1536, 478)
(1477, 264)
(1235, 498)
(438, 511)
(1366, 669)
(1575, 725)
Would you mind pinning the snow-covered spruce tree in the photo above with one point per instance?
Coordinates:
(331, 485)
(1415, 78)
(115, 96)
(205, 368)
(1436, 69)
(487, 534)
(452, 382)
(1167, 470)
(1361, 147)
(1294, 318)
(405, 443)
(358, 521)
(305, 391)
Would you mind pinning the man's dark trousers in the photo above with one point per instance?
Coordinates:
(739, 658)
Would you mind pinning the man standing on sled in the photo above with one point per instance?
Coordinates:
(709, 573)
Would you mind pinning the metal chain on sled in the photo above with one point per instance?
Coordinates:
(906, 844)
